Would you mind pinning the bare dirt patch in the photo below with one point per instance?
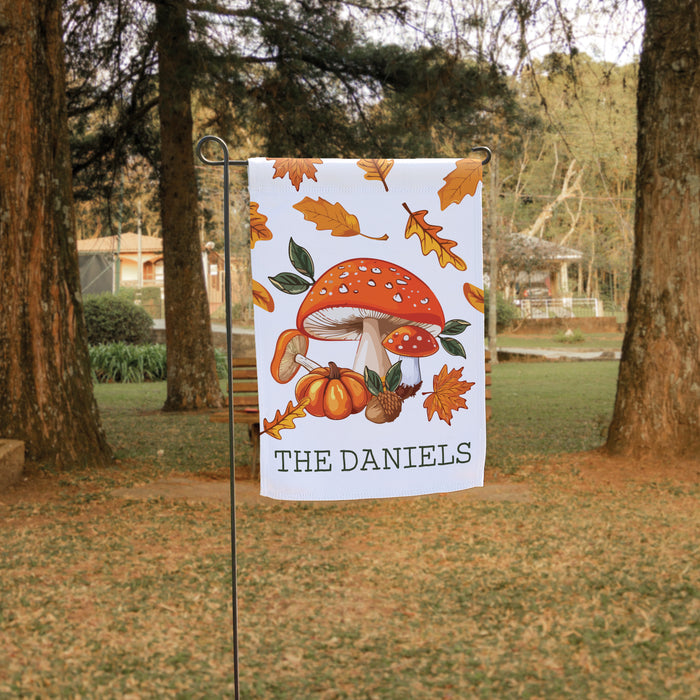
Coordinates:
(248, 492)
(598, 468)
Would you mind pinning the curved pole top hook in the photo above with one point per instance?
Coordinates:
(222, 143)
(488, 153)
(203, 158)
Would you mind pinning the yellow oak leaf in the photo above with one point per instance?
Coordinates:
(258, 228)
(429, 240)
(296, 168)
(462, 181)
(475, 296)
(262, 298)
(446, 396)
(331, 217)
(376, 169)
(284, 421)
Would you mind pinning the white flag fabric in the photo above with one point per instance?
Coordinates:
(367, 283)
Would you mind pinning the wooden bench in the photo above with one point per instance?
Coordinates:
(245, 401)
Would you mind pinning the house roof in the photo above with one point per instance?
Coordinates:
(129, 244)
(542, 249)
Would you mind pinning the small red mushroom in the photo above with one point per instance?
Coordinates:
(410, 343)
(366, 299)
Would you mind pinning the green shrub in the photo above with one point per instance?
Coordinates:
(506, 312)
(121, 362)
(569, 336)
(111, 319)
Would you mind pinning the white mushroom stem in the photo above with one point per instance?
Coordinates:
(305, 362)
(370, 352)
(410, 371)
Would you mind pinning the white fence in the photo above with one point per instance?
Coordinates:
(564, 307)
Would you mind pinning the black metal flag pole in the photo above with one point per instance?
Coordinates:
(225, 163)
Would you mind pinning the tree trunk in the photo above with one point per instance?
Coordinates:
(657, 409)
(46, 396)
(192, 380)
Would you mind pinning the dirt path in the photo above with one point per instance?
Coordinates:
(248, 492)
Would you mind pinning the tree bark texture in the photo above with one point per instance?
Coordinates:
(192, 379)
(46, 396)
(657, 408)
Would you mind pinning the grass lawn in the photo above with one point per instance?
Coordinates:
(587, 588)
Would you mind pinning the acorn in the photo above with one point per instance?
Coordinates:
(385, 404)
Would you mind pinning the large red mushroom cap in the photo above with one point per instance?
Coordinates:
(366, 299)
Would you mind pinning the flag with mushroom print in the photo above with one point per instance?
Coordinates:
(369, 317)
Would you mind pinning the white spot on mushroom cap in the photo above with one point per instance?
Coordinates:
(397, 297)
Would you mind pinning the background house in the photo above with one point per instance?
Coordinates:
(110, 263)
(137, 260)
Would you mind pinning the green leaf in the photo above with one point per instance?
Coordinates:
(373, 382)
(393, 376)
(301, 259)
(455, 327)
(290, 283)
(454, 347)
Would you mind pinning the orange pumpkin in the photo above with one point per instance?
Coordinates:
(333, 392)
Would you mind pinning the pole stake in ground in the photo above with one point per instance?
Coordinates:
(225, 163)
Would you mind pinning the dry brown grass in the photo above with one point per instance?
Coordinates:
(589, 590)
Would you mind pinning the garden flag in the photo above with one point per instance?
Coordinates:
(369, 315)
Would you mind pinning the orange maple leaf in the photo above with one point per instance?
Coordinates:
(332, 217)
(284, 421)
(296, 168)
(474, 295)
(446, 396)
(262, 298)
(258, 229)
(376, 169)
(462, 181)
(429, 240)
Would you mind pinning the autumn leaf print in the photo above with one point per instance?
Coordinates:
(446, 396)
(376, 169)
(332, 217)
(462, 181)
(296, 168)
(262, 298)
(284, 421)
(429, 240)
(475, 296)
(258, 228)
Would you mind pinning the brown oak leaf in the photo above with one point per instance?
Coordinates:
(429, 240)
(446, 396)
(258, 228)
(284, 421)
(331, 217)
(262, 298)
(462, 181)
(474, 295)
(296, 168)
(376, 169)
